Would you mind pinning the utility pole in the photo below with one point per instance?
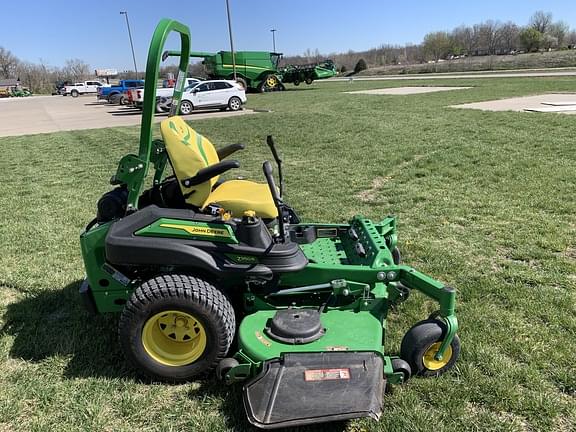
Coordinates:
(131, 44)
(274, 39)
(231, 41)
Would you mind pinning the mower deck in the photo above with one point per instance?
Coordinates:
(343, 330)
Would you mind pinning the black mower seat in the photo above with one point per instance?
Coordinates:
(190, 152)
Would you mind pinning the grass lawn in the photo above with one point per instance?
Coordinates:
(485, 202)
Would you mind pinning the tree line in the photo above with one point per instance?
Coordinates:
(490, 37)
(40, 77)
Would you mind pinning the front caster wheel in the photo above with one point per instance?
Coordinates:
(225, 366)
(420, 345)
(402, 366)
(175, 327)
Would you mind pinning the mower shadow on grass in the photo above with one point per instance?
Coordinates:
(232, 408)
(54, 323)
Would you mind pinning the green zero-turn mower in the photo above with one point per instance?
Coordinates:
(211, 274)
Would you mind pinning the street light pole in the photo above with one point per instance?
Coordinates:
(231, 41)
(131, 44)
(274, 38)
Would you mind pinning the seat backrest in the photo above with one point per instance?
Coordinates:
(189, 152)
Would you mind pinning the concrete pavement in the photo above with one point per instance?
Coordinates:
(41, 114)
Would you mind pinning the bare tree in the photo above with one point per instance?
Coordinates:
(559, 30)
(509, 38)
(571, 39)
(467, 38)
(8, 63)
(489, 34)
(39, 78)
(76, 69)
(541, 21)
(548, 42)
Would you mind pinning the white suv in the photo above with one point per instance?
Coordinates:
(222, 94)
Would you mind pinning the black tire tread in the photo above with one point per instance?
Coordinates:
(186, 287)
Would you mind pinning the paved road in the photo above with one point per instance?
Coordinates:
(456, 76)
(39, 114)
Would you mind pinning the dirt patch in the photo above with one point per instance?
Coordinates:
(570, 252)
(406, 90)
(369, 195)
(564, 103)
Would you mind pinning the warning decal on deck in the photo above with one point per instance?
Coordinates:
(326, 374)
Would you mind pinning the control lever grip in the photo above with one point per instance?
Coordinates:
(268, 171)
(270, 142)
(267, 168)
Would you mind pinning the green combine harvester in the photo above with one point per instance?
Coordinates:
(259, 70)
(221, 275)
(255, 70)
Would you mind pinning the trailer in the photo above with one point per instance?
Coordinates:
(308, 73)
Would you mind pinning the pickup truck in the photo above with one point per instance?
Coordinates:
(116, 93)
(77, 89)
(163, 96)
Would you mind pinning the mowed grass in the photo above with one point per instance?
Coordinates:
(485, 203)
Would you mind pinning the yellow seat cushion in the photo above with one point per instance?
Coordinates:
(189, 152)
(237, 196)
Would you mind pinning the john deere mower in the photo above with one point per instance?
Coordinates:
(211, 275)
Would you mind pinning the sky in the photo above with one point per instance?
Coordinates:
(56, 30)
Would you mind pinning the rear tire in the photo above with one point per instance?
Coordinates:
(296, 82)
(242, 82)
(309, 81)
(234, 103)
(186, 107)
(175, 327)
(421, 343)
(74, 93)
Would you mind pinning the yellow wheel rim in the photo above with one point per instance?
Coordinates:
(174, 338)
(430, 362)
(271, 81)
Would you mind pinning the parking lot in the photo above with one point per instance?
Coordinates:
(41, 114)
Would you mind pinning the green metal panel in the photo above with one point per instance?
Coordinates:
(178, 228)
(109, 288)
(345, 331)
(377, 239)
